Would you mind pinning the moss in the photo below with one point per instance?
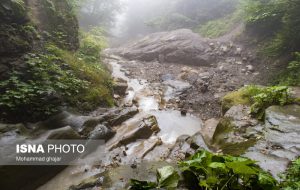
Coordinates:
(221, 139)
(235, 98)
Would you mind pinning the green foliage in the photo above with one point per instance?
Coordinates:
(291, 178)
(41, 92)
(259, 98)
(99, 89)
(291, 76)
(212, 171)
(54, 77)
(219, 27)
(275, 20)
(60, 23)
(209, 171)
(91, 44)
(167, 178)
(265, 97)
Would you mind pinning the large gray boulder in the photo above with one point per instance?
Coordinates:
(179, 46)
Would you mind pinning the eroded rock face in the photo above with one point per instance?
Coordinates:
(179, 46)
(281, 142)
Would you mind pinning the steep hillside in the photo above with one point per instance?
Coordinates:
(42, 65)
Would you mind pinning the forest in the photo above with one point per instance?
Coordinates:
(186, 94)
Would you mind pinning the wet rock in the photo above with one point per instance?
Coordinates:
(141, 129)
(197, 142)
(281, 142)
(229, 136)
(183, 112)
(122, 116)
(120, 86)
(64, 133)
(101, 132)
(208, 129)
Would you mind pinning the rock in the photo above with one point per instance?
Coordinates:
(231, 132)
(91, 182)
(183, 112)
(142, 128)
(238, 51)
(64, 133)
(125, 114)
(250, 68)
(197, 142)
(281, 142)
(120, 87)
(208, 129)
(179, 46)
(224, 48)
(101, 132)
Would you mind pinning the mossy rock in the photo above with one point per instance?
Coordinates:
(224, 139)
(239, 97)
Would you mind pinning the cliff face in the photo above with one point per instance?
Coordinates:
(28, 25)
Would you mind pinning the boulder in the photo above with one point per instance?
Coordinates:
(236, 131)
(281, 142)
(179, 46)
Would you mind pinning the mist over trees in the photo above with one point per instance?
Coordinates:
(101, 13)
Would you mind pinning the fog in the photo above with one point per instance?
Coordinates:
(127, 19)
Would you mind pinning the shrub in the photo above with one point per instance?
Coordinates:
(291, 76)
(259, 98)
(52, 78)
(291, 178)
(38, 92)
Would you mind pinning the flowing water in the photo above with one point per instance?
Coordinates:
(149, 101)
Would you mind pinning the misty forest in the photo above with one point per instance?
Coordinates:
(185, 94)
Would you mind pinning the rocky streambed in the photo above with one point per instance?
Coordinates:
(158, 117)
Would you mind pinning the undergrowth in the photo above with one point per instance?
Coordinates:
(259, 98)
(56, 77)
(291, 76)
(208, 171)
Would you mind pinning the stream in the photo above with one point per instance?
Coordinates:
(150, 99)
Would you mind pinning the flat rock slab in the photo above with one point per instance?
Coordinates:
(281, 143)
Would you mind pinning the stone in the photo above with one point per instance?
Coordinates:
(209, 128)
(142, 128)
(178, 46)
(197, 142)
(281, 139)
(250, 68)
(183, 112)
(101, 132)
(64, 133)
(120, 87)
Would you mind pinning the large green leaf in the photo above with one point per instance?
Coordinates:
(167, 177)
(241, 168)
